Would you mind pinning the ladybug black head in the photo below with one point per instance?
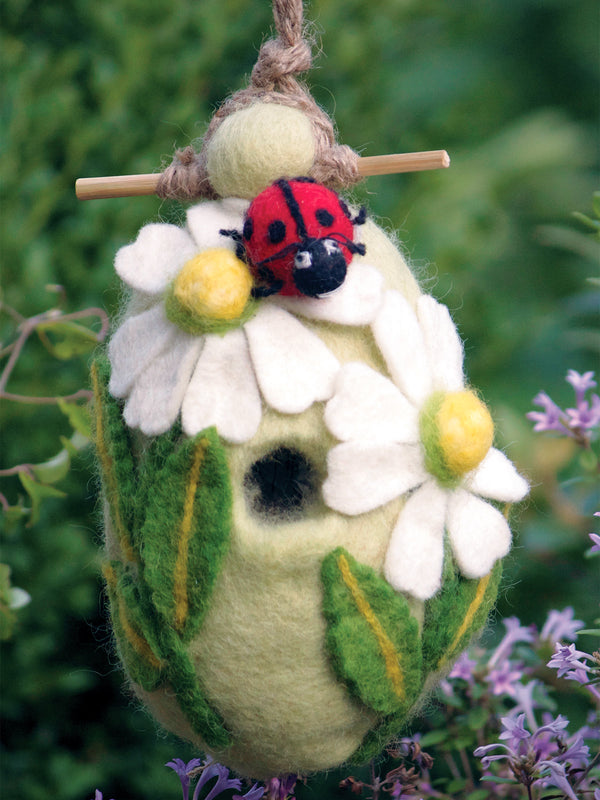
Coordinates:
(298, 238)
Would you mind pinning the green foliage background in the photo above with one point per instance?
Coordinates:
(508, 87)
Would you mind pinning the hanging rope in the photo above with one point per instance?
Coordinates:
(272, 81)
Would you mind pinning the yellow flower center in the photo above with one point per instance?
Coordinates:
(456, 433)
(466, 431)
(214, 284)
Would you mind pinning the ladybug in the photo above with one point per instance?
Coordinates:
(298, 239)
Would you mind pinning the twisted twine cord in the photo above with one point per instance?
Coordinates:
(272, 81)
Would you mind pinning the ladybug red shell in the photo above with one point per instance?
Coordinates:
(298, 239)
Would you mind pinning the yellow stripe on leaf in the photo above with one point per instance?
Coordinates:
(471, 611)
(390, 655)
(137, 642)
(108, 470)
(180, 577)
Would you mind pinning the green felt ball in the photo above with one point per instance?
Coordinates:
(257, 145)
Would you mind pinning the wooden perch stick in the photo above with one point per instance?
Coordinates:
(139, 185)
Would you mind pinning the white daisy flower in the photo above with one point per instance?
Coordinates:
(162, 366)
(421, 432)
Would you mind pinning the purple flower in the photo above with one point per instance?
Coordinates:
(523, 694)
(577, 753)
(581, 383)
(550, 419)
(98, 795)
(255, 793)
(463, 668)
(557, 777)
(210, 769)
(515, 632)
(585, 416)
(514, 728)
(595, 543)
(282, 787)
(574, 422)
(223, 783)
(560, 625)
(565, 660)
(504, 678)
(183, 772)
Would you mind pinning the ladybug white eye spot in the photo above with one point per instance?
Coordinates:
(331, 246)
(324, 217)
(303, 260)
(276, 231)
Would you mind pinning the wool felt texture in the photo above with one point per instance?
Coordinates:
(356, 302)
(256, 146)
(223, 391)
(298, 237)
(373, 639)
(375, 460)
(466, 431)
(294, 368)
(300, 655)
(170, 527)
(215, 284)
(464, 606)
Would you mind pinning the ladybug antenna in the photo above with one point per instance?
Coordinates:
(353, 247)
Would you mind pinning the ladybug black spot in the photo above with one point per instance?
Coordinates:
(324, 217)
(276, 231)
(248, 228)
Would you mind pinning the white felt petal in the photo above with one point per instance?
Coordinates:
(444, 346)
(497, 478)
(415, 555)
(293, 367)
(362, 476)
(205, 220)
(356, 302)
(368, 406)
(400, 339)
(158, 392)
(223, 391)
(156, 256)
(479, 534)
(134, 344)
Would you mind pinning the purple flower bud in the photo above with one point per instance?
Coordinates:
(560, 625)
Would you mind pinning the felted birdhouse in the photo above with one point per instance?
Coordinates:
(304, 508)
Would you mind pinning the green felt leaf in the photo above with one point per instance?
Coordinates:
(114, 449)
(182, 678)
(455, 614)
(186, 530)
(372, 638)
(66, 339)
(133, 625)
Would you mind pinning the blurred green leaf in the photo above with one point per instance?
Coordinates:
(477, 717)
(54, 469)
(37, 492)
(78, 416)
(11, 515)
(66, 339)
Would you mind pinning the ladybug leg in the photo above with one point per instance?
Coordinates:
(273, 284)
(240, 250)
(361, 217)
